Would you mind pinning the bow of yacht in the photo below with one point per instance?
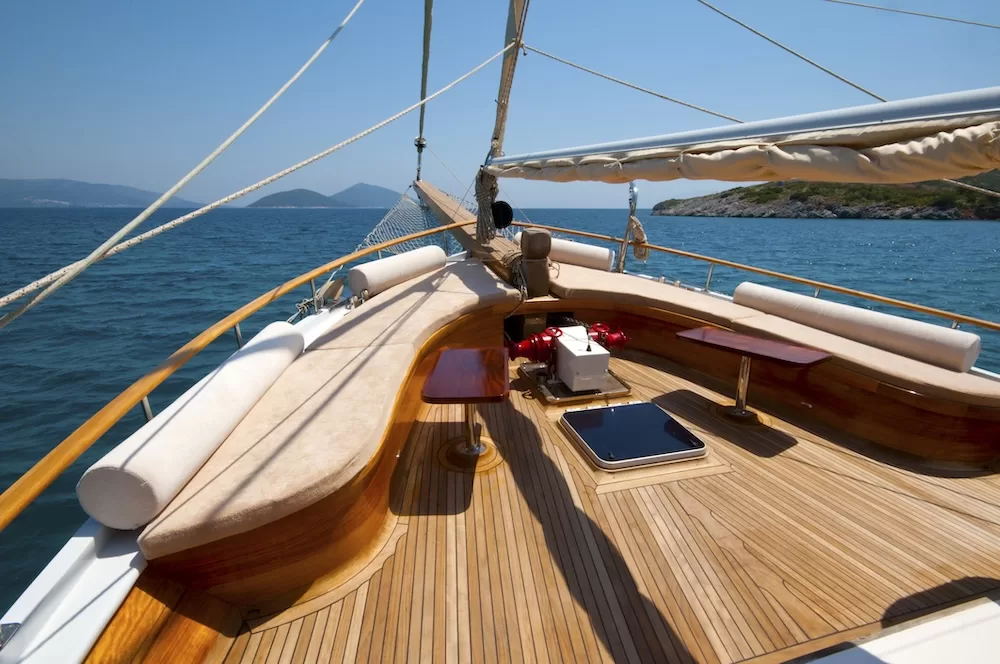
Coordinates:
(301, 502)
(519, 451)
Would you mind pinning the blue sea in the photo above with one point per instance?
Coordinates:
(77, 350)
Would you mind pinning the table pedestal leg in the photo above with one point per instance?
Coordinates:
(471, 452)
(473, 446)
(740, 411)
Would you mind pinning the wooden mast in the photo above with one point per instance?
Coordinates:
(515, 22)
(444, 208)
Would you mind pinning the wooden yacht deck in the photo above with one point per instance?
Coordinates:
(778, 544)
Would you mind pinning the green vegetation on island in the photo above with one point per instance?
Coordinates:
(794, 200)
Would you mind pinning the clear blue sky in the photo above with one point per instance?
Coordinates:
(136, 93)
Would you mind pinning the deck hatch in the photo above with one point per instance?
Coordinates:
(628, 435)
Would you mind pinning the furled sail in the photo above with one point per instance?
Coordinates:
(944, 136)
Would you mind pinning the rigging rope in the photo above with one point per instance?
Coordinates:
(7, 299)
(638, 234)
(630, 85)
(420, 141)
(792, 51)
(913, 13)
(988, 192)
(70, 273)
(507, 81)
(486, 184)
(487, 188)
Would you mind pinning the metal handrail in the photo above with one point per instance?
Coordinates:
(817, 285)
(30, 485)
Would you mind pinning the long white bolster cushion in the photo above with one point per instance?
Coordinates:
(133, 482)
(579, 253)
(941, 346)
(385, 273)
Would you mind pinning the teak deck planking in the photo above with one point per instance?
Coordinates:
(787, 544)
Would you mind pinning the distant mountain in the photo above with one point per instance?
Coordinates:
(72, 193)
(302, 198)
(367, 195)
(359, 195)
(797, 200)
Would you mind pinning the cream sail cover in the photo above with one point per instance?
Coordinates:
(883, 154)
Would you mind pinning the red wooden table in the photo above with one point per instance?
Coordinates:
(752, 347)
(468, 376)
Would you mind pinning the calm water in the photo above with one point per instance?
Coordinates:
(63, 361)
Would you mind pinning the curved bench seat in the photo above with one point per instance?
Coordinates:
(896, 370)
(323, 420)
(412, 311)
(888, 367)
(572, 281)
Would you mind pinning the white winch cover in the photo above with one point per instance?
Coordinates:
(950, 349)
(883, 154)
(133, 482)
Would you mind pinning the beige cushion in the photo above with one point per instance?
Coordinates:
(133, 482)
(316, 427)
(888, 367)
(951, 349)
(534, 242)
(385, 273)
(572, 281)
(582, 254)
(412, 311)
(323, 419)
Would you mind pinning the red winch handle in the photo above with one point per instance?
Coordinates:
(553, 332)
(600, 328)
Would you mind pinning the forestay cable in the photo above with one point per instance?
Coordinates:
(7, 299)
(70, 273)
(630, 85)
(913, 13)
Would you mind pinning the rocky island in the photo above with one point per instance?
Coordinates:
(818, 200)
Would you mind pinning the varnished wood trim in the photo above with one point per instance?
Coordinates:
(822, 285)
(130, 633)
(328, 589)
(830, 394)
(201, 628)
(160, 621)
(802, 544)
(30, 485)
(284, 558)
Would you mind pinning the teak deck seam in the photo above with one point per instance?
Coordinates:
(788, 542)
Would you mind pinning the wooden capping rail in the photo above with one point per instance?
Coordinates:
(29, 486)
(822, 285)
